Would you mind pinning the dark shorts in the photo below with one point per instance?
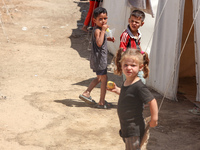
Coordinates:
(101, 72)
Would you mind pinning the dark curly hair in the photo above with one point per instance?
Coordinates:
(98, 11)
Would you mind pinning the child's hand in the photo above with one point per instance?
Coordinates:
(153, 123)
(116, 89)
(105, 27)
(112, 39)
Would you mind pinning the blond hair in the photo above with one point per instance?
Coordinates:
(136, 55)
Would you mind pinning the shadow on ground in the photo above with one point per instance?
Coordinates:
(80, 41)
(111, 76)
(75, 103)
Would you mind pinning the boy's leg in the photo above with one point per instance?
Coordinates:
(103, 79)
(89, 15)
(132, 143)
(90, 87)
(95, 5)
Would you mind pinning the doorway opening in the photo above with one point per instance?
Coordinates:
(187, 74)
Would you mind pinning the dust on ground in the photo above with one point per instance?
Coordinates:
(44, 67)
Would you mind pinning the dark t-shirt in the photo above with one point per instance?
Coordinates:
(130, 108)
(98, 57)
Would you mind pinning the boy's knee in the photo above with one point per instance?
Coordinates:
(102, 77)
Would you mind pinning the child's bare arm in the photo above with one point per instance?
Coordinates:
(154, 113)
(99, 35)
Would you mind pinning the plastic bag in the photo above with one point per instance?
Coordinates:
(110, 32)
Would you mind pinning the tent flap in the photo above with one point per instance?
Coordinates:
(166, 48)
(168, 39)
(144, 5)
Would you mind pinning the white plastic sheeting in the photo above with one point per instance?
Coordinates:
(118, 14)
(144, 5)
(166, 47)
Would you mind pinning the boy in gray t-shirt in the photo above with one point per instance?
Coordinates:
(98, 59)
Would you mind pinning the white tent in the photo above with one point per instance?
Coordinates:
(118, 14)
(171, 40)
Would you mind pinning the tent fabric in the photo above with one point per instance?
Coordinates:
(118, 14)
(196, 5)
(144, 5)
(166, 48)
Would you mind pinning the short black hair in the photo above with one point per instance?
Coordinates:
(98, 11)
(138, 14)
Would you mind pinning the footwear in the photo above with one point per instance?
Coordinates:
(88, 100)
(89, 28)
(105, 106)
(107, 103)
(195, 111)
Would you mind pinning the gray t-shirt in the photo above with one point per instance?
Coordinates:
(98, 57)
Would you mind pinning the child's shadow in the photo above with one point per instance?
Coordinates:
(117, 79)
(79, 103)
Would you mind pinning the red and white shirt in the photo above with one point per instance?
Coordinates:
(128, 40)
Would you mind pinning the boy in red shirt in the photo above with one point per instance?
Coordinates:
(130, 38)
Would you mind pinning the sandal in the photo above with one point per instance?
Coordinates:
(88, 100)
(105, 106)
(107, 103)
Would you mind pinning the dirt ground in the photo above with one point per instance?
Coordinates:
(44, 67)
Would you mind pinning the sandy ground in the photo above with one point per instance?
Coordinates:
(44, 67)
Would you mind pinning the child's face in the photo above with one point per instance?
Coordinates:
(101, 20)
(135, 23)
(130, 67)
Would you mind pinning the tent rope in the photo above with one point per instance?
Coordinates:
(172, 75)
(1, 20)
(7, 10)
(3, 28)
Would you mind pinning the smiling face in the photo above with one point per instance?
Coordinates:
(101, 20)
(130, 67)
(135, 23)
